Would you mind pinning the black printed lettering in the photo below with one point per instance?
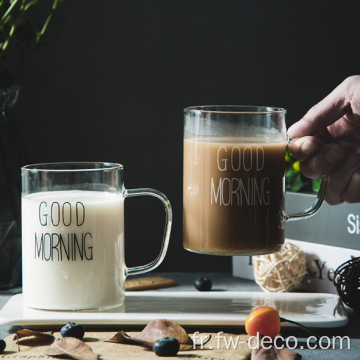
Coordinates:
(43, 224)
(44, 249)
(52, 213)
(77, 213)
(90, 247)
(39, 250)
(62, 246)
(63, 211)
(76, 244)
(320, 268)
(54, 247)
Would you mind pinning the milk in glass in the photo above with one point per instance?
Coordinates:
(73, 249)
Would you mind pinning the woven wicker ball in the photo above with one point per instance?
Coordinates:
(347, 283)
(281, 271)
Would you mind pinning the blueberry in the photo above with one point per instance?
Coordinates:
(2, 345)
(203, 284)
(166, 346)
(72, 330)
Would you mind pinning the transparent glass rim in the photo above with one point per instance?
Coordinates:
(235, 109)
(72, 166)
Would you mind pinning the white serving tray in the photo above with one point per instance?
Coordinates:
(228, 308)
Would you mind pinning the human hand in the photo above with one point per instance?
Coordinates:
(328, 142)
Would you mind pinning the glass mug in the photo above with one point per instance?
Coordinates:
(73, 235)
(234, 180)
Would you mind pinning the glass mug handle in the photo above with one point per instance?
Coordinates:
(315, 207)
(168, 221)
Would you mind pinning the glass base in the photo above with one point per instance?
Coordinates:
(233, 254)
(94, 309)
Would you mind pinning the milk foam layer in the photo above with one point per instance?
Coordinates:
(73, 250)
(219, 129)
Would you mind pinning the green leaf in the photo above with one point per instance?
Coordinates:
(316, 185)
(290, 173)
(288, 166)
(31, 3)
(18, 291)
(297, 184)
(8, 13)
(289, 156)
(37, 33)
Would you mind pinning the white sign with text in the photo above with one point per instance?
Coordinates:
(321, 263)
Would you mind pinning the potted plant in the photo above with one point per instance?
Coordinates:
(20, 39)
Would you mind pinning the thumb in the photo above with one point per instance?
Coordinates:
(326, 112)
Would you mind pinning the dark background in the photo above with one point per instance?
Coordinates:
(115, 76)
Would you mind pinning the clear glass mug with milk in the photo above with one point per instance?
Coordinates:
(234, 180)
(73, 235)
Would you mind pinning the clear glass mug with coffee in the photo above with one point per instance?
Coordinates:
(234, 180)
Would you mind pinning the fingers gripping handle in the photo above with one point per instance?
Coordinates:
(314, 209)
(168, 222)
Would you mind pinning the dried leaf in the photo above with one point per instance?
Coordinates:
(159, 328)
(154, 331)
(32, 338)
(73, 347)
(53, 350)
(123, 338)
(26, 333)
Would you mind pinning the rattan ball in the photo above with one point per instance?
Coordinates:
(347, 283)
(282, 271)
